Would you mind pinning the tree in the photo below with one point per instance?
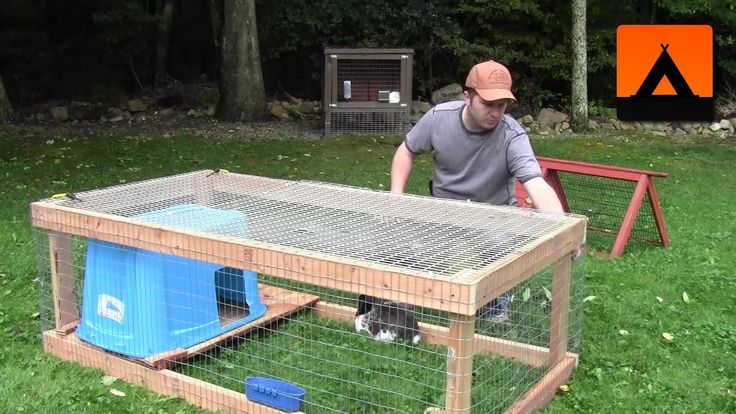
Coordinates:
(579, 66)
(242, 94)
(6, 111)
(162, 47)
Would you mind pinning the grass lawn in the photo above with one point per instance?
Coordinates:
(627, 365)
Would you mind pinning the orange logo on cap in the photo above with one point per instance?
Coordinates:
(498, 76)
(664, 72)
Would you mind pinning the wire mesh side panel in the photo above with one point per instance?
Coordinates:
(60, 297)
(364, 121)
(360, 80)
(520, 331)
(320, 350)
(143, 305)
(605, 202)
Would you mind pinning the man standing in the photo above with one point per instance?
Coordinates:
(479, 151)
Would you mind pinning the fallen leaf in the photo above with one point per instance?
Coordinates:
(547, 293)
(107, 380)
(588, 298)
(668, 336)
(660, 300)
(564, 388)
(117, 393)
(623, 332)
(685, 297)
(34, 315)
(526, 295)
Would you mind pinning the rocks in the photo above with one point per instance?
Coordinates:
(727, 125)
(419, 107)
(451, 92)
(548, 117)
(166, 112)
(59, 113)
(137, 105)
(147, 110)
(278, 111)
(85, 110)
(526, 120)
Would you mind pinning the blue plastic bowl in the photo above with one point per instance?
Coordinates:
(275, 393)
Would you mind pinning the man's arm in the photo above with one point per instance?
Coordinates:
(542, 195)
(401, 167)
(545, 198)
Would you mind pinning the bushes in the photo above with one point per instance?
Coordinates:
(90, 48)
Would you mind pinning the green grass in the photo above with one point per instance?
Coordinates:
(640, 294)
(367, 377)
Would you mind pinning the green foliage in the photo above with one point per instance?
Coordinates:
(299, 31)
(598, 109)
(85, 49)
(721, 15)
(79, 50)
(123, 28)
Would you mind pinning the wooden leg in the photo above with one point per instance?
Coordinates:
(63, 284)
(560, 317)
(630, 218)
(460, 364)
(657, 210)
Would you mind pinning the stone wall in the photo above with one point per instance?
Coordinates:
(551, 122)
(546, 122)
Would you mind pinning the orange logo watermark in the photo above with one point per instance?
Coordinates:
(664, 72)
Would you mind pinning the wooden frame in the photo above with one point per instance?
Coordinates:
(461, 297)
(644, 185)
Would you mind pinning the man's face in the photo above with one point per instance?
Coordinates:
(483, 115)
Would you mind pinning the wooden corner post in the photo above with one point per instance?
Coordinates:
(560, 316)
(63, 284)
(460, 364)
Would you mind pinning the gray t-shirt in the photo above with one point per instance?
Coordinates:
(473, 166)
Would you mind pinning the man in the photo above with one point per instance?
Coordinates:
(478, 151)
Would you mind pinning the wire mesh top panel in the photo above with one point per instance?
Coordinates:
(444, 239)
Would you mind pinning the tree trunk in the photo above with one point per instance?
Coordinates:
(216, 20)
(6, 110)
(579, 66)
(242, 94)
(162, 48)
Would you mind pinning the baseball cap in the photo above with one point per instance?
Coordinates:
(491, 80)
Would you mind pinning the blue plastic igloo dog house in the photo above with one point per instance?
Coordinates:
(141, 303)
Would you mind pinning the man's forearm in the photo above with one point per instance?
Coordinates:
(401, 167)
(543, 196)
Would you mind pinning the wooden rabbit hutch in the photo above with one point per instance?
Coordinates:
(367, 90)
(192, 284)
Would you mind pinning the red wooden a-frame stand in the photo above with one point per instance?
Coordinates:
(644, 185)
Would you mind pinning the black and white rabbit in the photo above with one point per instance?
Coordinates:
(386, 320)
